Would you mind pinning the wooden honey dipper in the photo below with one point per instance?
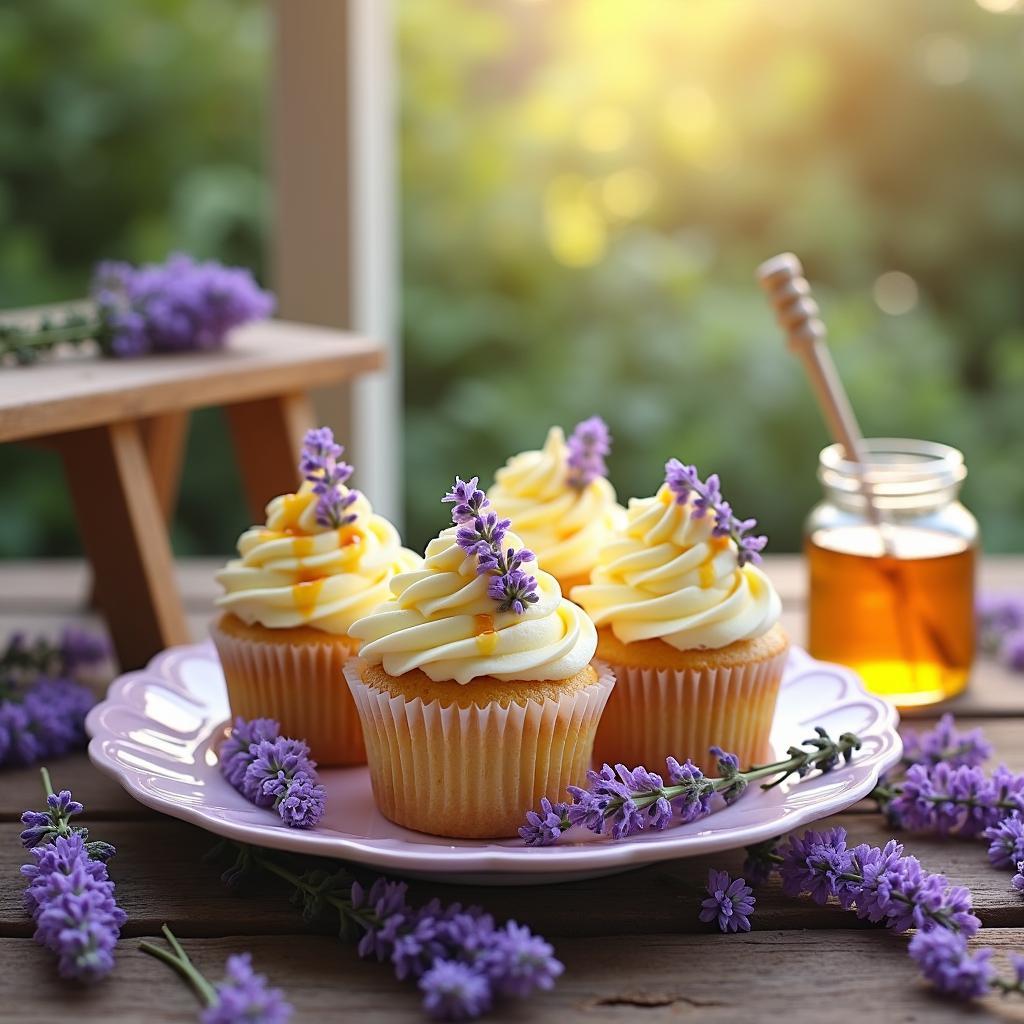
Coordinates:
(782, 277)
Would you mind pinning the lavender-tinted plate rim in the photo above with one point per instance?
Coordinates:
(174, 771)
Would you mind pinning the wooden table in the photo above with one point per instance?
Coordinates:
(120, 425)
(632, 945)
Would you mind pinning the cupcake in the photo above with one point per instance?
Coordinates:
(689, 625)
(323, 560)
(475, 687)
(560, 502)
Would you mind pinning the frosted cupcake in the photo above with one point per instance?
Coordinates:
(475, 687)
(560, 502)
(690, 626)
(323, 560)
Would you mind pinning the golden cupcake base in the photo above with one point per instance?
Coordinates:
(470, 761)
(297, 677)
(675, 703)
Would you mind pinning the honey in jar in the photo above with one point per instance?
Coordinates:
(892, 592)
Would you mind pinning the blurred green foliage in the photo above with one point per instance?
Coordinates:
(587, 186)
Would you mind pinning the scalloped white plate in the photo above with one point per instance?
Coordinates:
(158, 730)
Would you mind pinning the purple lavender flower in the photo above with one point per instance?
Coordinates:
(543, 827)
(46, 826)
(1006, 841)
(816, 863)
(176, 306)
(243, 997)
(480, 534)
(695, 800)
(455, 991)
(235, 752)
(959, 800)
(1011, 650)
(998, 615)
(872, 865)
(944, 960)
(730, 903)
(624, 800)
(588, 444)
(912, 898)
(71, 899)
(303, 802)
(946, 743)
(510, 960)
(78, 648)
(706, 497)
(273, 771)
(1018, 879)
(518, 962)
(321, 464)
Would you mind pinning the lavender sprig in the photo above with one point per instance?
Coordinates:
(243, 997)
(43, 702)
(1001, 627)
(944, 960)
(588, 445)
(623, 801)
(946, 743)
(481, 534)
(176, 306)
(321, 464)
(461, 959)
(880, 884)
(70, 895)
(706, 497)
(951, 800)
(273, 771)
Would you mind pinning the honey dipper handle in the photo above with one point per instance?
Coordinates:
(782, 278)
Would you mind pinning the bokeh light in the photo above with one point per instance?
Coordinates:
(895, 293)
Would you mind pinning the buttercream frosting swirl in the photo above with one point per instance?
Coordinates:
(295, 571)
(444, 623)
(667, 577)
(563, 525)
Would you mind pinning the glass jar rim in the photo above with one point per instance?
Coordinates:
(896, 466)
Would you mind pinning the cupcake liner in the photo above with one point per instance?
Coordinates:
(474, 772)
(654, 713)
(302, 685)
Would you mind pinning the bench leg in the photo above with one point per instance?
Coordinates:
(124, 533)
(267, 435)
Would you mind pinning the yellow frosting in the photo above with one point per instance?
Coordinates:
(666, 577)
(295, 572)
(563, 526)
(444, 622)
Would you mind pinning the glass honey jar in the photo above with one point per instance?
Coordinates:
(892, 592)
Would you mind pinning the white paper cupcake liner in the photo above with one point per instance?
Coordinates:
(656, 713)
(300, 685)
(473, 771)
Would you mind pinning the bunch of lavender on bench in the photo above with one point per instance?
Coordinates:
(177, 306)
(273, 771)
(588, 445)
(623, 801)
(70, 895)
(243, 997)
(43, 701)
(481, 535)
(461, 959)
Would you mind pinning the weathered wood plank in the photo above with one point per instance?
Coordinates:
(161, 877)
(761, 976)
